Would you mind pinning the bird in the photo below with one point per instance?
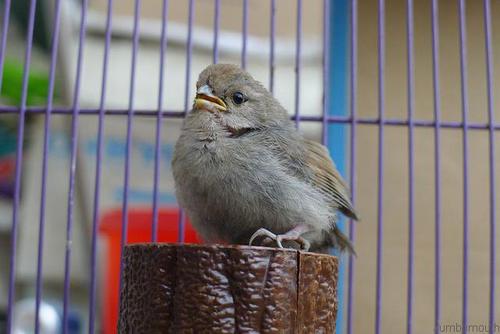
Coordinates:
(244, 173)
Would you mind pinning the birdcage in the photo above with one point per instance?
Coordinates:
(401, 92)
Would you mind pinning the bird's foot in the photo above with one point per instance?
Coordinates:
(266, 235)
(292, 235)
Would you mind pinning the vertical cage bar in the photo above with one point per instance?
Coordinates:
(380, 187)
(298, 49)
(352, 165)
(19, 161)
(98, 170)
(3, 43)
(189, 55)
(74, 142)
(326, 70)
(437, 163)
(411, 165)
(46, 140)
(216, 32)
(465, 143)
(272, 33)
(128, 145)
(159, 118)
(491, 135)
(245, 35)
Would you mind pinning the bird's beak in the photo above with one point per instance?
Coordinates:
(206, 100)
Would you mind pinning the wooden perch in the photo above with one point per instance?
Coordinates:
(170, 288)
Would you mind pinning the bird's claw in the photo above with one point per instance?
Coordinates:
(304, 244)
(262, 232)
(279, 238)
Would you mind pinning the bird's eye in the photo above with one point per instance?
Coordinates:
(239, 98)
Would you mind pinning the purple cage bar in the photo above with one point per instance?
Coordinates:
(465, 146)
(72, 171)
(98, 170)
(411, 165)
(159, 118)
(189, 51)
(46, 138)
(491, 138)
(244, 33)
(380, 167)
(298, 49)
(216, 32)
(128, 145)
(352, 156)
(272, 37)
(352, 120)
(437, 164)
(19, 152)
(331, 118)
(325, 101)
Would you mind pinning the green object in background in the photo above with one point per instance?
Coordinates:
(11, 94)
(38, 85)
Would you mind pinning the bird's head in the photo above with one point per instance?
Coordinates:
(235, 99)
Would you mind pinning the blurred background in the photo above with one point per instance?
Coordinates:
(178, 92)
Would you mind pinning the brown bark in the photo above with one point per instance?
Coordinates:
(170, 288)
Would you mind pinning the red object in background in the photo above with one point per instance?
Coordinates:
(7, 168)
(139, 230)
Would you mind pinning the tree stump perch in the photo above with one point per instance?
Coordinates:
(171, 288)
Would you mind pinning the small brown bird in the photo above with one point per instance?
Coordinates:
(242, 171)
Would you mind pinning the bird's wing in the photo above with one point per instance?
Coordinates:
(310, 161)
(326, 177)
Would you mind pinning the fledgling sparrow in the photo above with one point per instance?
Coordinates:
(242, 171)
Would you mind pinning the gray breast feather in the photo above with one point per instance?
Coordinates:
(225, 204)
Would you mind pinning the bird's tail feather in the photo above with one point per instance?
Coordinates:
(341, 241)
